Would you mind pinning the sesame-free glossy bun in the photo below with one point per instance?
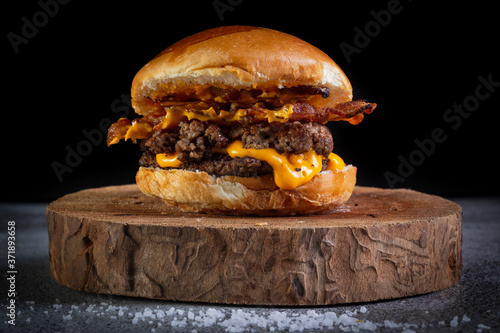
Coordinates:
(239, 57)
(230, 195)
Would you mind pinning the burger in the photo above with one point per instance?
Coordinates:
(233, 122)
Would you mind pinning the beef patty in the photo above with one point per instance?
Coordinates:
(196, 144)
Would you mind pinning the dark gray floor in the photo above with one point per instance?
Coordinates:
(43, 305)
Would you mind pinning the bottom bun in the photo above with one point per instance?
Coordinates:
(230, 195)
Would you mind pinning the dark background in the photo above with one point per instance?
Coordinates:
(73, 74)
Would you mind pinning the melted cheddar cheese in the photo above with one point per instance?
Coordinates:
(138, 130)
(168, 160)
(174, 115)
(290, 170)
(335, 163)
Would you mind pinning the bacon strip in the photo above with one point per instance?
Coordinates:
(351, 111)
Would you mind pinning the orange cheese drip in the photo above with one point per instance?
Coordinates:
(168, 160)
(290, 171)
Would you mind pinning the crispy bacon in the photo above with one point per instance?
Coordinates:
(306, 90)
(351, 111)
(117, 131)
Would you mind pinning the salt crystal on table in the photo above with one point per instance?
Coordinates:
(363, 309)
(312, 313)
(148, 313)
(351, 313)
(454, 322)
(391, 324)
(368, 325)
(345, 319)
(465, 318)
(179, 323)
(190, 315)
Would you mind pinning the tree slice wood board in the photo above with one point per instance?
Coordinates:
(381, 244)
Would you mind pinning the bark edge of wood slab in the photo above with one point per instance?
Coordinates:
(381, 244)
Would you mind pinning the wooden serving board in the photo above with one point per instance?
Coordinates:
(381, 244)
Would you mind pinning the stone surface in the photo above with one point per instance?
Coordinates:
(44, 305)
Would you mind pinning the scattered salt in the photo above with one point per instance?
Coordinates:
(345, 319)
(483, 326)
(199, 319)
(148, 313)
(368, 325)
(391, 324)
(179, 323)
(351, 313)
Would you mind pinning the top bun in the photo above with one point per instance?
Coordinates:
(239, 57)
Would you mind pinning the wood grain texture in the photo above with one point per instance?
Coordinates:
(381, 244)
